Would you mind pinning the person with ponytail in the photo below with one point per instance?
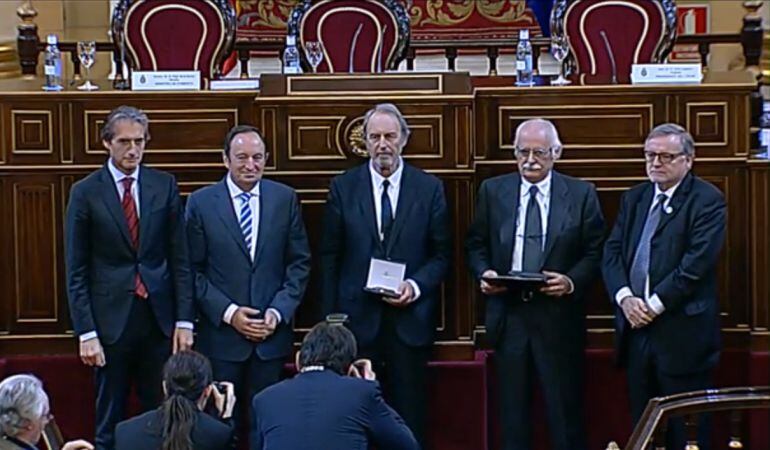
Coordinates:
(183, 421)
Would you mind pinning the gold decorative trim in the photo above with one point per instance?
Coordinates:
(9, 337)
(14, 148)
(17, 271)
(373, 95)
(3, 149)
(291, 91)
(439, 137)
(66, 157)
(725, 110)
(102, 152)
(290, 132)
(501, 109)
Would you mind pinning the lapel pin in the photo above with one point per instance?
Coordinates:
(669, 210)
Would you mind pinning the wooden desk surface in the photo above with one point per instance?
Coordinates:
(712, 80)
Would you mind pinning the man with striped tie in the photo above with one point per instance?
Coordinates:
(128, 278)
(251, 261)
(659, 268)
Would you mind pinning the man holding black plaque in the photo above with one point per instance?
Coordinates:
(384, 252)
(530, 224)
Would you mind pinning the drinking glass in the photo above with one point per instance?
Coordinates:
(560, 50)
(314, 50)
(87, 55)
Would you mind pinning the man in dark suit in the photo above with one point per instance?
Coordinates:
(389, 210)
(333, 403)
(660, 270)
(537, 220)
(128, 279)
(251, 262)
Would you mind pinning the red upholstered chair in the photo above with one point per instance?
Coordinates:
(630, 31)
(175, 34)
(357, 35)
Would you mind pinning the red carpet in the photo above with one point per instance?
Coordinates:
(463, 409)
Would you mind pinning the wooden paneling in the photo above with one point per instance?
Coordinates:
(49, 141)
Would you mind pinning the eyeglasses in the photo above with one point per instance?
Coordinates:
(664, 158)
(538, 153)
(374, 138)
(126, 142)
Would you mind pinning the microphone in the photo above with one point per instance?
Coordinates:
(353, 47)
(612, 57)
(379, 49)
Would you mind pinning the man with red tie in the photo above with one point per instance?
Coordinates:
(128, 280)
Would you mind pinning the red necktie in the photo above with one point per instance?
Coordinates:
(132, 220)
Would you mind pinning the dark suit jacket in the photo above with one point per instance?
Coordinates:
(101, 262)
(573, 247)
(419, 237)
(224, 272)
(683, 256)
(326, 411)
(145, 432)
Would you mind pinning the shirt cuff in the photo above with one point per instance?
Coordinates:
(227, 317)
(277, 314)
(622, 293)
(655, 304)
(184, 324)
(88, 336)
(415, 288)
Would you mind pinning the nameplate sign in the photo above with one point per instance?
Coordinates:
(166, 80)
(666, 74)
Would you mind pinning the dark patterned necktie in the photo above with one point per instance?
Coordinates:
(386, 215)
(132, 219)
(533, 235)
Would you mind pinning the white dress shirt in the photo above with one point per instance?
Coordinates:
(653, 301)
(234, 192)
(117, 177)
(393, 190)
(544, 200)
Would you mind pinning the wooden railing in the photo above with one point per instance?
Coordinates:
(650, 433)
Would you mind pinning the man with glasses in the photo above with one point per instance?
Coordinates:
(659, 268)
(537, 220)
(386, 209)
(128, 280)
(251, 262)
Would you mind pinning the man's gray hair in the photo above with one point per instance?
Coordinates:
(22, 399)
(124, 112)
(388, 108)
(671, 129)
(550, 129)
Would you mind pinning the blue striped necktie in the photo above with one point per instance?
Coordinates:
(245, 220)
(640, 266)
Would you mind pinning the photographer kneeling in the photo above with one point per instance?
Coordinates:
(333, 402)
(195, 414)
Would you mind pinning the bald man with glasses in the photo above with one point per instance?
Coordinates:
(537, 220)
(660, 271)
